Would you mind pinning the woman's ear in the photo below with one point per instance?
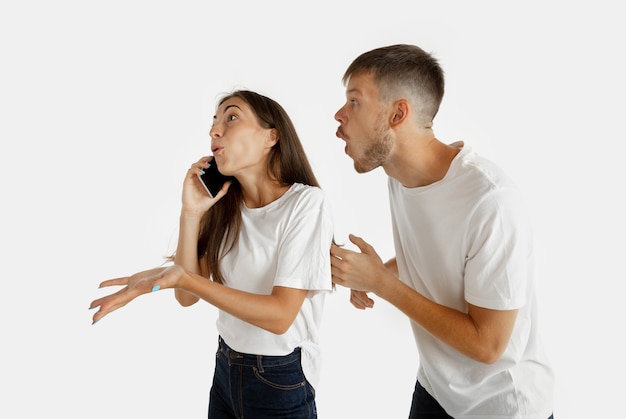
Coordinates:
(272, 137)
(400, 113)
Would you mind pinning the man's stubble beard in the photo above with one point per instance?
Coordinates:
(377, 150)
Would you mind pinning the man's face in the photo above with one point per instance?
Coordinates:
(363, 124)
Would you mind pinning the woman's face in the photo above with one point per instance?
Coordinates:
(238, 142)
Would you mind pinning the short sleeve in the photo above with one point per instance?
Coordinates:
(498, 260)
(304, 249)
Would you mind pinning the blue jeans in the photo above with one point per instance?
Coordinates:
(249, 386)
(424, 406)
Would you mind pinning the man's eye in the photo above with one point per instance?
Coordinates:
(353, 102)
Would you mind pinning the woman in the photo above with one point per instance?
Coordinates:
(264, 242)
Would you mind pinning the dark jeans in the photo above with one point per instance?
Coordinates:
(258, 387)
(424, 406)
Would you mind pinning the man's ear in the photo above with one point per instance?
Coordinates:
(400, 113)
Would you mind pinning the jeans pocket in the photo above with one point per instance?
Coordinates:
(286, 377)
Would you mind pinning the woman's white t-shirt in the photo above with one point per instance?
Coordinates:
(285, 243)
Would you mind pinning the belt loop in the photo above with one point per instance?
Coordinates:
(259, 363)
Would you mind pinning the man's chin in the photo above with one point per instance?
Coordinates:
(362, 168)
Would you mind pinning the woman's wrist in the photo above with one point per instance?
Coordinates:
(193, 215)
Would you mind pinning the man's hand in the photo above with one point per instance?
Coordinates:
(361, 272)
(361, 300)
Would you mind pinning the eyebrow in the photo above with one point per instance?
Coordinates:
(227, 108)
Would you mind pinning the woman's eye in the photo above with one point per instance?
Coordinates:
(231, 117)
(353, 102)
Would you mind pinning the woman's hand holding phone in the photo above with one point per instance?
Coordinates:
(212, 179)
(195, 195)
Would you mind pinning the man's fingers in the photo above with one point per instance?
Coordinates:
(361, 244)
(337, 252)
(361, 300)
(357, 302)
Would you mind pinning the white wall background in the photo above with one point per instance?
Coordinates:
(103, 106)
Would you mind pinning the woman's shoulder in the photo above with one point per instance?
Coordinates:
(308, 190)
(307, 194)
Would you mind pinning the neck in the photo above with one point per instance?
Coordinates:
(421, 162)
(260, 195)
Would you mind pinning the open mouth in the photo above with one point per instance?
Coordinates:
(340, 134)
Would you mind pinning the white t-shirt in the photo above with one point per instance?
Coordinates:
(285, 243)
(467, 239)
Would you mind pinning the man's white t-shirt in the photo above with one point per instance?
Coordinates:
(285, 243)
(467, 239)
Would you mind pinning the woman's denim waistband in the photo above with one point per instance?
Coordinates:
(260, 361)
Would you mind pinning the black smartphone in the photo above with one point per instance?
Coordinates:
(212, 179)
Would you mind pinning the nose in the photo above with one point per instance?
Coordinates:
(339, 116)
(214, 132)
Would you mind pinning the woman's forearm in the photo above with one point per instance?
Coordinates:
(187, 254)
(274, 312)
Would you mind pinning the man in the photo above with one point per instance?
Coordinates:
(463, 270)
